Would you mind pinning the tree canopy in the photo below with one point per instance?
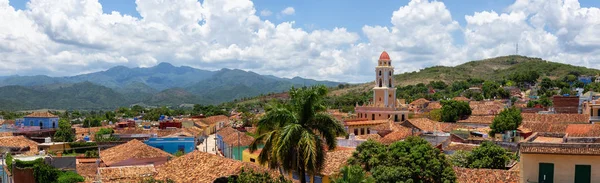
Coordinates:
(453, 110)
(64, 133)
(411, 160)
(488, 155)
(508, 119)
(353, 174)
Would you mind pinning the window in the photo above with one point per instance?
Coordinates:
(362, 131)
(372, 116)
(252, 160)
(390, 83)
(583, 173)
(368, 131)
(356, 131)
(380, 73)
(395, 118)
(41, 124)
(380, 84)
(379, 115)
(181, 148)
(30, 123)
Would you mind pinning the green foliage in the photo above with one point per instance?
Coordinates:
(69, 177)
(294, 134)
(488, 155)
(45, 173)
(64, 133)
(92, 122)
(453, 110)
(153, 180)
(347, 101)
(529, 77)
(353, 174)
(28, 164)
(435, 114)
(92, 154)
(508, 119)
(411, 160)
(490, 89)
(251, 177)
(78, 147)
(178, 153)
(9, 161)
(460, 158)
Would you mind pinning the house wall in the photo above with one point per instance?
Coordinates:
(246, 156)
(171, 144)
(564, 166)
(55, 147)
(46, 122)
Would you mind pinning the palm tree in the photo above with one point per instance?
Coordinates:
(353, 174)
(295, 134)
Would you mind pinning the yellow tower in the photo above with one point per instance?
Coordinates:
(384, 92)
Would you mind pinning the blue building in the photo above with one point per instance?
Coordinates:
(173, 144)
(44, 120)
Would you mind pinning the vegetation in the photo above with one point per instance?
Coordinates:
(48, 174)
(411, 160)
(453, 110)
(251, 177)
(435, 115)
(294, 133)
(9, 161)
(488, 155)
(92, 154)
(460, 158)
(508, 119)
(64, 133)
(353, 174)
(153, 180)
(178, 153)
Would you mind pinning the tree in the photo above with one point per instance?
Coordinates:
(104, 131)
(453, 110)
(435, 114)
(411, 160)
(488, 155)
(250, 177)
(64, 133)
(460, 158)
(369, 154)
(489, 89)
(353, 174)
(294, 135)
(508, 119)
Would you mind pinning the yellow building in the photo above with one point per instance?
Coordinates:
(592, 108)
(362, 126)
(384, 104)
(551, 157)
(247, 156)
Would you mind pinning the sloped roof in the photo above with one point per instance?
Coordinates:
(158, 132)
(214, 119)
(396, 135)
(335, 160)
(434, 105)
(461, 98)
(134, 149)
(468, 175)
(555, 118)
(203, 167)
(41, 115)
(583, 130)
(127, 173)
(243, 139)
(424, 124)
(224, 132)
(365, 122)
(420, 101)
(21, 142)
(488, 119)
(455, 146)
(368, 136)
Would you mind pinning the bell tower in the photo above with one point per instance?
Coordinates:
(384, 92)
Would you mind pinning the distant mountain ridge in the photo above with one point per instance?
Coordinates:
(163, 84)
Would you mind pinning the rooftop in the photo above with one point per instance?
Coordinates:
(41, 115)
(487, 119)
(20, 142)
(384, 56)
(238, 140)
(396, 135)
(365, 122)
(427, 125)
(335, 160)
(214, 119)
(468, 175)
(549, 143)
(126, 173)
(134, 149)
(203, 167)
(455, 146)
(555, 118)
(420, 101)
(583, 130)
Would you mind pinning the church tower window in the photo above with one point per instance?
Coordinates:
(379, 73)
(380, 83)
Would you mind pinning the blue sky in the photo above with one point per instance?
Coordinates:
(332, 40)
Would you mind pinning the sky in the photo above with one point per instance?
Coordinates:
(338, 40)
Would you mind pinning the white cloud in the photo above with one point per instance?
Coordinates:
(68, 37)
(265, 13)
(288, 11)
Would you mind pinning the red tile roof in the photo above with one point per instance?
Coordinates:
(488, 119)
(428, 125)
(455, 146)
(134, 149)
(214, 119)
(236, 141)
(583, 130)
(397, 135)
(335, 160)
(555, 118)
(420, 101)
(461, 98)
(41, 115)
(470, 175)
(366, 122)
(224, 132)
(560, 148)
(20, 142)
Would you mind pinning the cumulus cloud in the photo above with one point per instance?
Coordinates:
(68, 37)
(288, 11)
(265, 13)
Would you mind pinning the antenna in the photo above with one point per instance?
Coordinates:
(517, 46)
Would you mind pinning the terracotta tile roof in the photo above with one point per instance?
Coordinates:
(488, 119)
(583, 130)
(224, 132)
(420, 101)
(469, 175)
(545, 127)
(244, 140)
(555, 118)
(8, 122)
(367, 122)
(434, 105)
(126, 173)
(158, 132)
(461, 98)
(389, 126)
(455, 146)
(194, 131)
(486, 107)
(41, 115)
(560, 148)
(6, 134)
(335, 160)
(396, 135)
(92, 130)
(368, 136)
(214, 119)
(134, 149)
(203, 167)
(548, 140)
(428, 125)
(21, 142)
(87, 170)
(181, 134)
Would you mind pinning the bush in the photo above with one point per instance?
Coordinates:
(69, 177)
(45, 173)
(453, 110)
(9, 161)
(78, 147)
(508, 119)
(92, 154)
(435, 115)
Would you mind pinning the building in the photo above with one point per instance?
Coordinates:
(468, 175)
(566, 104)
(592, 109)
(173, 144)
(361, 126)
(214, 123)
(384, 104)
(557, 157)
(44, 120)
(249, 157)
(221, 134)
(134, 152)
(19, 145)
(235, 144)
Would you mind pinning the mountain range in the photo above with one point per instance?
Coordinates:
(163, 84)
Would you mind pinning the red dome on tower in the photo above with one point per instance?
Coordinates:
(384, 56)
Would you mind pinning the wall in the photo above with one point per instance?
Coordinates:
(171, 144)
(46, 122)
(564, 166)
(23, 175)
(246, 155)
